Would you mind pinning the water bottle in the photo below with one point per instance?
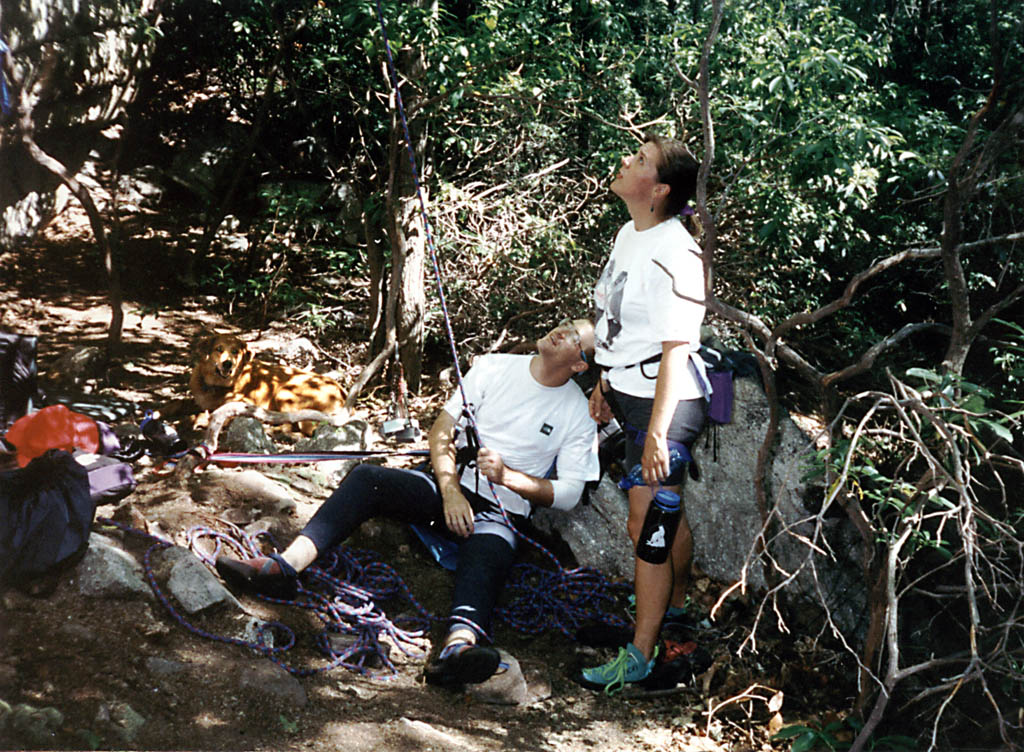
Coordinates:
(659, 528)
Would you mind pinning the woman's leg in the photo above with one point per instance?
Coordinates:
(682, 557)
(654, 583)
(651, 580)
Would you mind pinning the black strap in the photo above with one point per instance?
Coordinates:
(646, 362)
(467, 454)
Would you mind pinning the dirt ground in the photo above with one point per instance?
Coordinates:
(89, 657)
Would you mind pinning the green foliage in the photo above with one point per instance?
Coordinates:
(835, 127)
(806, 738)
(979, 417)
(836, 123)
(1009, 354)
(809, 738)
(891, 500)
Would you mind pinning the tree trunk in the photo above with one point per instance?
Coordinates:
(403, 321)
(375, 258)
(96, 223)
(411, 299)
(26, 129)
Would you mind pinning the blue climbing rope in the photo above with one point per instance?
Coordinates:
(342, 591)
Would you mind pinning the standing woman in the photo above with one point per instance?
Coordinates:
(649, 305)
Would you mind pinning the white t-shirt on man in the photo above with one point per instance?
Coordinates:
(527, 423)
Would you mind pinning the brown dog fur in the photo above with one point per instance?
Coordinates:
(226, 371)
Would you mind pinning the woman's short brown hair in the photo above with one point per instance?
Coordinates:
(677, 169)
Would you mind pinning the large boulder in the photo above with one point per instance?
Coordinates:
(723, 512)
(595, 530)
(82, 84)
(726, 522)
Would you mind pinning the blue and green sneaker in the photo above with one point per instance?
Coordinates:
(629, 666)
(681, 617)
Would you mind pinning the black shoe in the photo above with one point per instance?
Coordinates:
(679, 620)
(265, 575)
(463, 663)
(163, 437)
(681, 662)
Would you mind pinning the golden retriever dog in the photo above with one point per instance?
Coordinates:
(226, 371)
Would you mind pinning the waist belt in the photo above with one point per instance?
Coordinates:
(699, 371)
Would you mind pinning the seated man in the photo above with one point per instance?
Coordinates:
(529, 413)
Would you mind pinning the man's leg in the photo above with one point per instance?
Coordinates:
(368, 491)
(484, 563)
(372, 491)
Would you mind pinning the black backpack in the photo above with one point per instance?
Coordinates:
(18, 388)
(46, 513)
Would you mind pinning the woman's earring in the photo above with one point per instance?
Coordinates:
(652, 207)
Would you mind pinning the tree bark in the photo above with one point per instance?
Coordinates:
(408, 239)
(26, 130)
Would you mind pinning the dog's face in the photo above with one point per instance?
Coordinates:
(224, 355)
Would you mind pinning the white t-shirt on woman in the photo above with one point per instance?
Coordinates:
(651, 291)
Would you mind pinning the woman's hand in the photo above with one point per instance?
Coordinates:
(458, 514)
(489, 463)
(654, 463)
(600, 411)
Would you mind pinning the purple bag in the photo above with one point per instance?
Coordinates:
(110, 480)
(720, 406)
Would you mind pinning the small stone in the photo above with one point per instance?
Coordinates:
(270, 679)
(164, 667)
(121, 720)
(506, 687)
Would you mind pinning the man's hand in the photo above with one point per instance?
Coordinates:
(489, 463)
(458, 514)
(600, 410)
